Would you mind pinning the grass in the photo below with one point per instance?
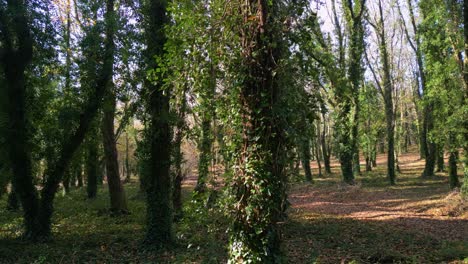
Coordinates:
(85, 233)
(328, 223)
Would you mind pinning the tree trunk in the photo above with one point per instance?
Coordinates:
(178, 156)
(391, 145)
(178, 174)
(431, 147)
(12, 201)
(317, 154)
(305, 159)
(118, 201)
(92, 165)
(326, 154)
(440, 158)
(66, 181)
(355, 132)
(205, 153)
(127, 159)
(374, 158)
(453, 177)
(16, 57)
(368, 163)
(260, 166)
(158, 179)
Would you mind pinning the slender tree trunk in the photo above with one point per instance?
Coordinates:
(440, 158)
(368, 163)
(206, 133)
(431, 147)
(374, 158)
(355, 132)
(178, 157)
(205, 153)
(92, 165)
(386, 88)
(178, 174)
(326, 154)
(453, 177)
(305, 159)
(118, 201)
(79, 177)
(317, 154)
(66, 181)
(12, 201)
(127, 159)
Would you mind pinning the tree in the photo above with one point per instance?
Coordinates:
(385, 87)
(38, 212)
(258, 182)
(118, 202)
(157, 178)
(345, 76)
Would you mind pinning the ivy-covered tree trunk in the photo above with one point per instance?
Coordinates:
(128, 171)
(205, 153)
(453, 176)
(259, 181)
(440, 158)
(178, 174)
(349, 111)
(374, 157)
(118, 201)
(305, 159)
(12, 200)
(207, 114)
(91, 165)
(319, 162)
(387, 91)
(431, 149)
(355, 132)
(178, 157)
(158, 179)
(79, 169)
(16, 54)
(66, 181)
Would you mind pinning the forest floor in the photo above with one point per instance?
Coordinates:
(372, 222)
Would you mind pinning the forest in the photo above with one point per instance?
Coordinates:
(233, 131)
